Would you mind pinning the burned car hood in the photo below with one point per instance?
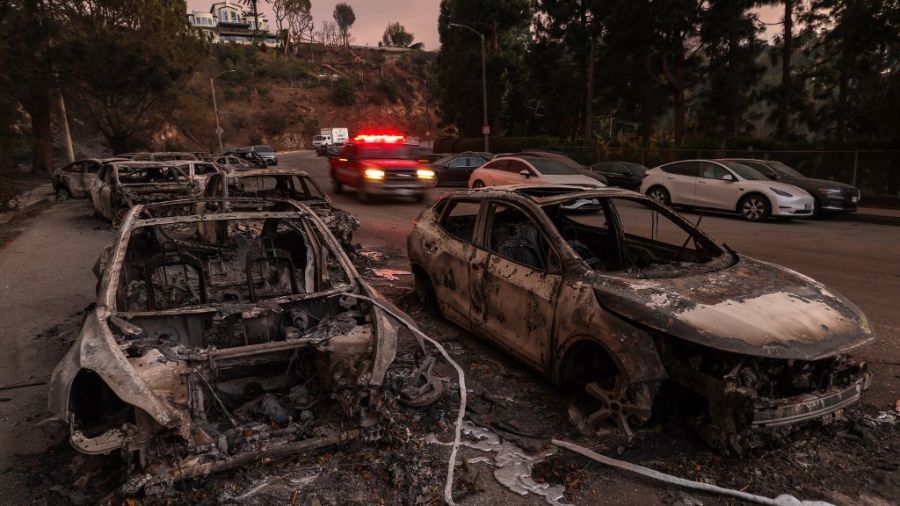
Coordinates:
(753, 308)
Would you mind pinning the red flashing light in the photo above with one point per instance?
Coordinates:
(380, 138)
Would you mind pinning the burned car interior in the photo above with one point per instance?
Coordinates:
(225, 329)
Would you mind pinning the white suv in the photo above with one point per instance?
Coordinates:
(528, 170)
(728, 186)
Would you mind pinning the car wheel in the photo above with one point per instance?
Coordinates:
(62, 193)
(362, 195)
(478, 184)
(425, 290)
(618, 405)
(659, 194)
(755, 208)
(336, 186)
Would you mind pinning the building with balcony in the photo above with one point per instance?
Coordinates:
(229, 21)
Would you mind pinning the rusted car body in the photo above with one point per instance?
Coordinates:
(285, 183)
(75, 179)
(624, 294)
(122, 184)
(220, 337)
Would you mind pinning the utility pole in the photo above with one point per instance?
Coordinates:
(70, 151)
(485, 127)
(212, 86)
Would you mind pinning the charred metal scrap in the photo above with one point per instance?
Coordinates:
(221, 337)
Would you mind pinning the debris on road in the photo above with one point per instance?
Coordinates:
(390, 274)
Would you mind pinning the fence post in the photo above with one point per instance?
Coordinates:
(855, 165)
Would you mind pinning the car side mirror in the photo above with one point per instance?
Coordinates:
(525, 172)
(728, 177)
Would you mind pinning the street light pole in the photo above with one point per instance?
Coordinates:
(485, 127)
(212, 86)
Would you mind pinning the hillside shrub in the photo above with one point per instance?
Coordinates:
(343, 92)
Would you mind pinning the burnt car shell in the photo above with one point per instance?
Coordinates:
(760, 344)
(153, 379)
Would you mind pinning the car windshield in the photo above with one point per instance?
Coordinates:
(635, 168)
(400, 151)
(444, 159)
(784, 170)
(550, 167)
(744, 171)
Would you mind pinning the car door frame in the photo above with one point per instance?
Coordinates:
(487, 265)
(687, 195)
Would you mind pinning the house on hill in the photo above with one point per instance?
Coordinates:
(228, 21)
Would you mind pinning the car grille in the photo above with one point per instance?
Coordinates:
(400, 176)
(849, 193)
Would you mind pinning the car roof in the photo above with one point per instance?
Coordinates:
(741, 160)
(144, 163)
(543, 194)
(148, 212)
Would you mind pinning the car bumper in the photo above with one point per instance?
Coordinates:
(838, 202)
(811, 406)
(793, 206)
(396, 189)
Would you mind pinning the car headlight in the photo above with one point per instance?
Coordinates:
(780, 192)
(425, 174)
(830, 190)
(376, 174)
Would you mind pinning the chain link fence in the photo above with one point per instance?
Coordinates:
(875, 172)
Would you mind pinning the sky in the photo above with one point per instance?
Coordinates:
(418, 16)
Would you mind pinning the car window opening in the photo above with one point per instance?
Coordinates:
(227, 275)
(652, 244)
(514, 236)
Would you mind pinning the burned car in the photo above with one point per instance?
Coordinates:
(122, 184)
(74, 180)
(625, 296)
(220, 337)
(285, 183)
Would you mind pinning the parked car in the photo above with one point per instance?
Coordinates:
(726, 186)
(454, 170)
(248, 155)
(617, 302)
(628, 175)
(121, 185)
(562, 158)
(163, 156)
(530, 169)
(73, 181)
(283, 183)
(320, 144)
(231, 163)
(214, 331)
(379, 164)
(266, 153)
(830, 197)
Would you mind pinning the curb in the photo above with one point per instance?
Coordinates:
(879, 219)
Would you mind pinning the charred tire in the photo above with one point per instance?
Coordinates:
(659, 194)
(755, 207)
(478, 184)
(425, 290)
(63, 193)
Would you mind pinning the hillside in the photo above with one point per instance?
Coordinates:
(284, 100)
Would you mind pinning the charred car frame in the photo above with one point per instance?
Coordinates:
(220, 337)
(610, 293)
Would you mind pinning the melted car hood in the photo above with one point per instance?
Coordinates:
(753, 308)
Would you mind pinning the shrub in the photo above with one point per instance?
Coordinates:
(343, 92)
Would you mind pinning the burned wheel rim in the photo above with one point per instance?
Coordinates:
(478, 184)
(620, 406)
(754, 209)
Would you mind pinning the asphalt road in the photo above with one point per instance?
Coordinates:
(46, 260)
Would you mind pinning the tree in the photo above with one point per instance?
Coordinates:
(33, 84)
(677, 22)
(253, 9)
(505, 25)
(293, 19)
(344, 17)
(395, 35)
(729, 33)
(123, 64)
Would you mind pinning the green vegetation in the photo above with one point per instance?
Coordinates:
(343, 92)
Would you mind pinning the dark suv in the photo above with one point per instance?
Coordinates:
(831, 198)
